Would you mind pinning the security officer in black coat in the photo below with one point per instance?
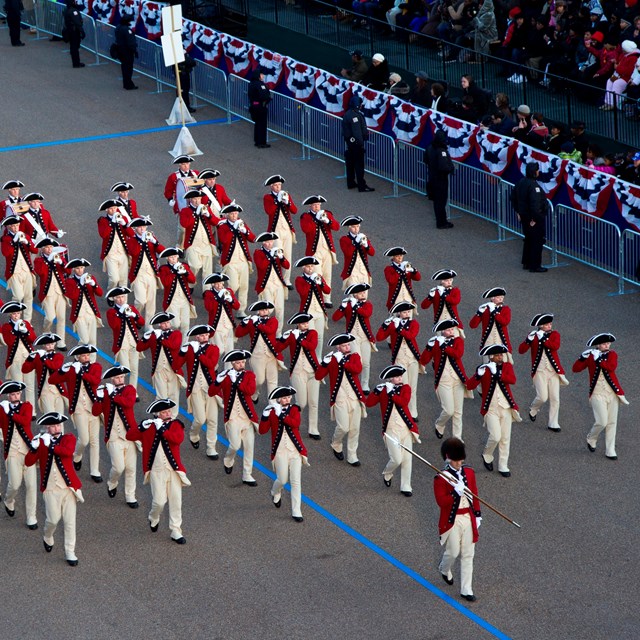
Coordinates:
(73, 31)
(530, 203)
(355, 134)
(127, 51)
(259, 97)
(13, 11)
(440, 167)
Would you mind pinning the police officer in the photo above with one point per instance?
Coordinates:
(259, 97)
(127, 50)
(74, 31)
(355, 134)
(440, 166)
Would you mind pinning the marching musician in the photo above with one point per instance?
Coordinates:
(44, 361)
(356, 248)
(184, 171)
(177, 280)
(400, 275)
(495, 317)
(311, 288)
(271, 263)
(12, 187)
(113, 229)
(128, 204)
(81, 290)
(444, 298)
(37, 221)
(214, 195)
(220, 302)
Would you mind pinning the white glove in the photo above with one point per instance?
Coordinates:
(380, 387)
(40, 352)
(147, 334)
(353, 301)
(540, 333)
(145, 424)
(396, 322)
(180, 268)
(440, 289)
(360, 237)
(221, 376)
(320, 215)
(531, 335)
(60, 233)
(172, 203)
(478, 522)
(100, 392)
(305, 461)
(5, 406)
(325, 360)
(387, 322)
(338, 356)
(22, 327)
(151, 238)
(35, 443)
(481, 369)
(459, 487)
(46, 439)
(66, 366)
(432, 292)
(158, 422)
(77, 367)
(246, 319)
(280, 196)
(277, 408)
(241, 227)
(130, 313)
(596, 353)
(441, 340)
(585, 354)
(286, 334)
(88, 280)
(318, 278)
(233, 374)
(194, 345)
(432, 341)
(109, 388)
(255, 319)
(492, 367)
(296, 333)
(227, 296)
(157, 332)
(389, 386)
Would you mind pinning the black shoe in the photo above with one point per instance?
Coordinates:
(263, 146)
(79, 66)
(278, 504)
(32, 527)
(63, 347)
(112, 492)
(298, 518)
(416, 419)
(72, 563)
(212, 456)
(408, 494)
(77, 465)
(468, 597)
(250, 483)
(180, 540)
(611, 457)
(351, 186)
(446, 225)
(366, 190)
(19, 44)
(532, 417)
(338, 454)
(487, 465)
(355, 464)
(195, 445)
(96, 479)
(592, 449)
(10, 512)
(47, 547)
(133, 87)
(153, 527)
(525, 267)
(328, 305)
(228, 470)
(449, 581)
(554, 430)
(191, 110)
(539, 270)
(387, 483)
(315, 436)
(290, 287)
(505, 474)
(133, 505)
(438, 434)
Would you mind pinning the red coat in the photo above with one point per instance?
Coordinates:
(504, 377)
(130, 206)
(89, 377)
(44, 365)
(205, 359)
(169, 438)
(607, 364)
(399, 399)
(172, 181)
(349, 367)
(216, 305)
(449, 299)
(16, 425)
(266, 264)
(140, 250)
(307, 289)
(448, 501)
(169, 342)
(120, 323)
(43, 218)
(232, 240)
(304, 345)
(191, 222)
(11, 251)
(13, 338)
(244, 387)
(108, 231)
(171, 280)
(549, 345)
(452, 350)
(500, 316)
(80, 294)
(288, 421)
(121, 402)
(47, 270)
(314, 231)
(361, 314)
(275, 209)
(396, 277)
(265, 328)
(61, 452)
(219, 194)
(352, 250)
(406, 331)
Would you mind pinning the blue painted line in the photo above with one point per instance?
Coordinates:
(343, 526)
(109, 136)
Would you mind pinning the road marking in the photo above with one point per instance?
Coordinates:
(109, 136)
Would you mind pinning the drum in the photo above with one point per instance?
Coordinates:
(182, 186)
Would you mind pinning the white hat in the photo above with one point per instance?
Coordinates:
(629, 46)
(378, 57)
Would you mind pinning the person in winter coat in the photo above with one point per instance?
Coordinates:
(74, 33)
(440, 167)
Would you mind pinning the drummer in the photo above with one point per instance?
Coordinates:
(171, 189)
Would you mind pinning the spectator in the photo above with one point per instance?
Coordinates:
(393, 12)
(377, 74)
(631, 172)
(502, 124)
(503, 105)
(439, 101)
(513, 46)
(358, 68)
(484, 30)
(523, 123)
(568, 151)
(579, 137)
(593, 157)
(557, 138)
(608, 166)
(420, 94)
(480, 97)
(537, 134)
(397, 86)
(624, 66)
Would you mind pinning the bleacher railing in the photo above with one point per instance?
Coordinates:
(583, 237)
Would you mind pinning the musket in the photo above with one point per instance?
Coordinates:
(450, 481)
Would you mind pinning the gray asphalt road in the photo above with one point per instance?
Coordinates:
(364, 562)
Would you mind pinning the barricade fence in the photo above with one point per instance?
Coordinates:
(583, 237)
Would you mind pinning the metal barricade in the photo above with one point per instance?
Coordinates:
(324, 133)
(90, 42)
(210, 84)
(237, 100)
(48, 17)
(105, 37)
(630, 260)
(286, 117)
(381, 157)
(411, 170)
